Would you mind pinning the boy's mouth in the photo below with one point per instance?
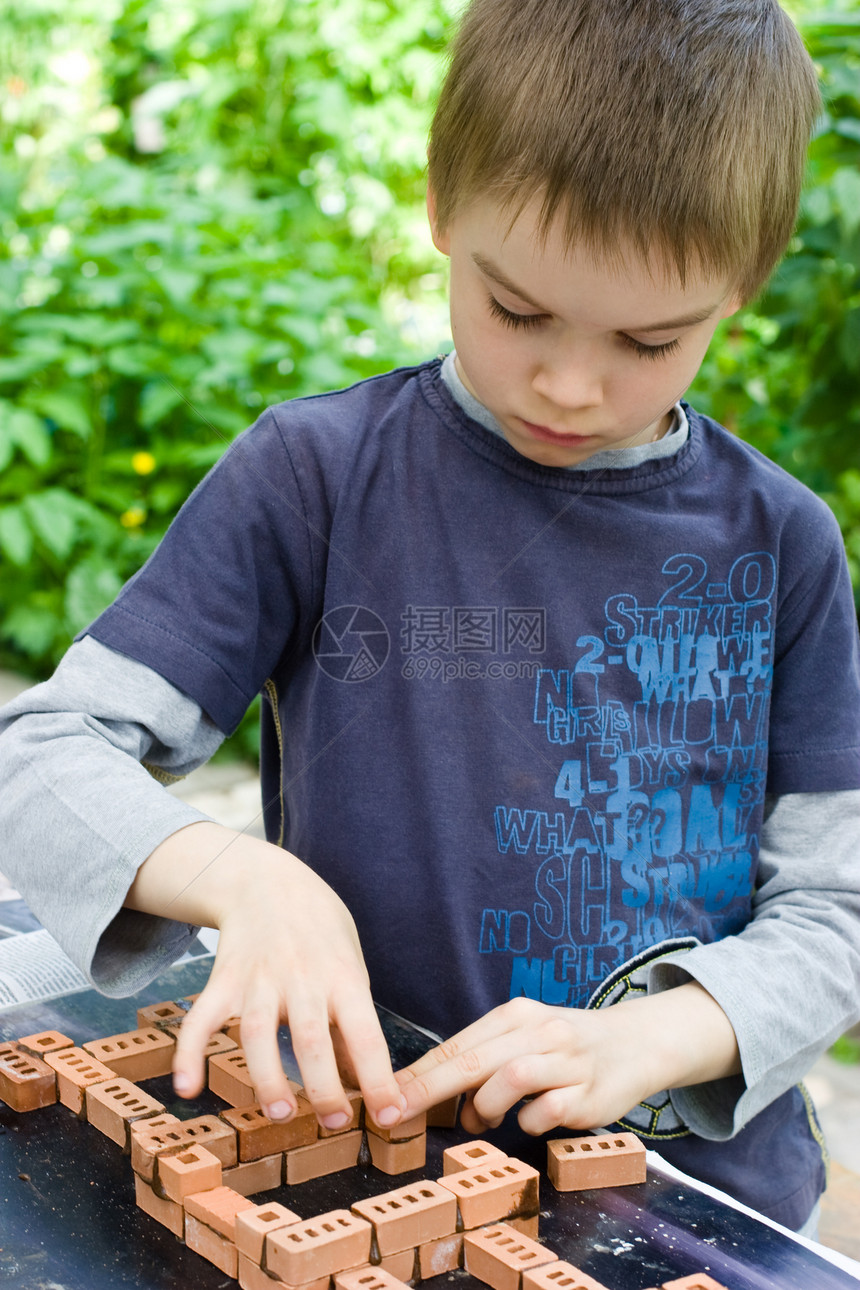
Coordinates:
(546, 435)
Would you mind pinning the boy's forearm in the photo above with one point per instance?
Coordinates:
(683, 1036)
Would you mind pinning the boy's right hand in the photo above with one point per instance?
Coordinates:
(288, 952)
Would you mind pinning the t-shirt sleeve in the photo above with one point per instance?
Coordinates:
(815, 706)
(230, 585)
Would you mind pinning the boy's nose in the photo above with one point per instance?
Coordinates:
(569, 383)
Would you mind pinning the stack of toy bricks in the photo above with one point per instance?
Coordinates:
(194, 1176)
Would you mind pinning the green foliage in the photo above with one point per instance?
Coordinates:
(786, 373)
(846, 1049)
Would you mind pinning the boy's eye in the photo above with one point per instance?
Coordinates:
(510, 319)
(651, 351)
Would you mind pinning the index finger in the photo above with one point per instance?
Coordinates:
(364, 1043)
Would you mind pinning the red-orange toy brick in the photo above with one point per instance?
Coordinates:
(185, 1172)
(166, 1212)
(218, 1209)
(208, 1130)
(252, 1225)
(211, 1245)
(160, 1014)
(470, 1155)
(327, 1156)
(256, 1175)
(356, 1103)
(436, 1257)
(113, 1105)
(560, 1276)
(229, 1078)
(401, 1132)
(46, 1041)
(607, 1160)
(136, 1055)
(367, 1278)
(75, 1071)
(253, 1277)
(409, 1216)
(317, 1248)
(397, 1157)
(499, 1256)
(260, 1136)
(492, 1194)
(26, 1082)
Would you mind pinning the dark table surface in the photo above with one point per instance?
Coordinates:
(68, 1220)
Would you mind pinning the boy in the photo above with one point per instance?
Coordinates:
(535, 640)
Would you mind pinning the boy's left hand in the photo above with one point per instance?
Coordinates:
(580, 1068)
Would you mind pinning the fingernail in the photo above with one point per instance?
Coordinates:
(279, 1111)
(388, 1115)
(182, 1083)
(336, 1121)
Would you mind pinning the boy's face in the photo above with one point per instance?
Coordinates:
(571, 356)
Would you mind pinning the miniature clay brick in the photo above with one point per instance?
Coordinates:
(153, 1124)
(328, 1156)
(253, 1277)
(559, 1276)
(230, 1027)
(160, 1014)
(444, 1114)
(409, 1216)
(357, 1103)
(218, 1209)
(318, 1247)
(397, 1157)
(186, 1172)
(400, 1265)
(208, 1130)
(398, 1132)
(253, 1224)
(527, 1224)
(444, 1255)
(75, 1071)
(367, 1279)
(259, 1136)
(26, 1082)
(217, 1249)
(694, 1281)
(136, 1055)
(46, 1041)
(256, 1175)
(608, 1160)
(499, 1256)
(229, 1078)
(166, 1212)
(113, 1105)
(494, 1193)
(469, 1155)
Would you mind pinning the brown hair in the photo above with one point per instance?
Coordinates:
(677, 126)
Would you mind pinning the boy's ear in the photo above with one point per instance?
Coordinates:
(441, 240)
(732, 305)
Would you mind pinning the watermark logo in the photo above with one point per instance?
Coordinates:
(471, 642)
(351, 643)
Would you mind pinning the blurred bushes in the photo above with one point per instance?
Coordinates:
(212, 205)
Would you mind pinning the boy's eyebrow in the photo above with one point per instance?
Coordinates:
(496, 275)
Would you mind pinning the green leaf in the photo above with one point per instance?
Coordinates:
(90, 588)
(157, 401)
(28, 431)
(16, 536)
(67, 408)
(53, 514)
(846, 189)
(31, 628)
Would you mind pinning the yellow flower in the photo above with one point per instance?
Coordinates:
(143, 463)
(133, 517)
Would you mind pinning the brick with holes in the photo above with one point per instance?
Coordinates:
(44, 1042)
(319, 1247)
(185, 1172)
(495, 1192)
(218, 1209)
(253, 1224)
(499, 1255)
(356, 1103)
(367, 1278)
(259, 1136)
(229, 1078)
(26, 1082)
(75, 1071)
(470, 1155)
(409, 1216)
(560, 1276)
(135, 1055)
(161, 1014)
(397, 1157)
(605, 1160)
(327, 1156)
(115, 1104)
(208, 1130)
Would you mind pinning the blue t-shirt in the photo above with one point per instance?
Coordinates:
(522, 719)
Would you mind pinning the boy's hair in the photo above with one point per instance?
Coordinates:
(679, 127)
